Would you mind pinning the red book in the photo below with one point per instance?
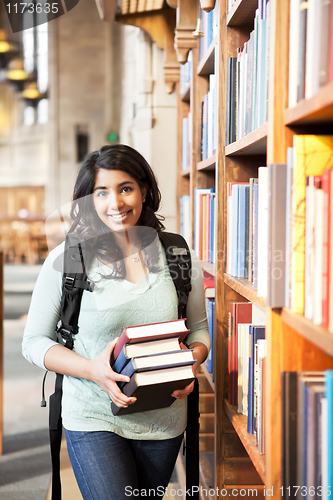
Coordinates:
(326, 186)
(209, 285)
(241, 312)
(152, 331)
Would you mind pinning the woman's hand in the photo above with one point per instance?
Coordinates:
(103, 375)
(199, 354)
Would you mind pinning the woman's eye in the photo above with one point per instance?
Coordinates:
(127, 189)
(101, 194)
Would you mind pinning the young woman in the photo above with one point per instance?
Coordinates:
(115, 201)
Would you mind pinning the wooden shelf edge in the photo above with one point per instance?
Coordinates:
(208, 376)
(242, 13)
(318, 108)
(315, 334)
(206, 63)
(186, 95)
(253, 143)
(208, 266)
(208, 164)
(244, 288)
(186, 172)
(239, 423)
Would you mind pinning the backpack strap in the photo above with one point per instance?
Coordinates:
(74, 282)
(179, 262)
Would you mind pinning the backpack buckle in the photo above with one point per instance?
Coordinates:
(64, 336)
(69, 282)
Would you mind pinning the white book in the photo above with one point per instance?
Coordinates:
(318, 264)
(262, 353)
(311, 53)
(245, 365)
(258, 315)
(240, 340)
(262, 231)
(229, 231)
(293, 51)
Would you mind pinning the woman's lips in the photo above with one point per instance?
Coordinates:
(119, 217)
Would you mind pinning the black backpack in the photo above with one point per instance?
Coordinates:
(74, 283)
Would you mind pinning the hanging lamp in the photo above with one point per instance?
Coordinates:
(16, 75)
(32, 95)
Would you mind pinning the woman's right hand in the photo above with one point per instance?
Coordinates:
(103, 375)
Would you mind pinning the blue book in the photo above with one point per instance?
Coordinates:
(255, 235)
(210, 317)
(242, 229)
(255, 333)
(159, 361)
(329, 397)
(235, 222)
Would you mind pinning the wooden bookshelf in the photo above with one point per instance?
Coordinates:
(255, 143)
(293, 342)
(249, 441)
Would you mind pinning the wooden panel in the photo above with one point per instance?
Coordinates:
(206, 403)
(233, 447)
(206, 423)
(239, 472)
(272, 388)
(204, 383)
(248, 440)
(316, 334)
(206, 442)
(207, 65)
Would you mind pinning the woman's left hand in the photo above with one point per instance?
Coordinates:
(199, 354)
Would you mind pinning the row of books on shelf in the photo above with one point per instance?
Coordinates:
(307, 437)
(151, 356)
(204, 223)
(209, 26)
(208, 119)
(247, 80)
(246, 365)
(283, 220)
(185, 73)
(310, 48)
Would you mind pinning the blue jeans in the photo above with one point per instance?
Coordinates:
(110, 467)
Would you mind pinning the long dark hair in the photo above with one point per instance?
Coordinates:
(86, 222)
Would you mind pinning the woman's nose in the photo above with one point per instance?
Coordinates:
(115, 201)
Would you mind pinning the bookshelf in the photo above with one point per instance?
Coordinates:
(293, 342)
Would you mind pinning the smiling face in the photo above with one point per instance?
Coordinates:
(118, 199)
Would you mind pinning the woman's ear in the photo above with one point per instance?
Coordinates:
(144, 193)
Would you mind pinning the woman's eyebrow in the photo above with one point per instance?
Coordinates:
(119, 185)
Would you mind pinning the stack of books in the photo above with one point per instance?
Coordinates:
(153, 359)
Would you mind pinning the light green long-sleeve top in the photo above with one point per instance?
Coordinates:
(113, 305)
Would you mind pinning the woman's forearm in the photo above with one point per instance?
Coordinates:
(200, 353)
(59, 359)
